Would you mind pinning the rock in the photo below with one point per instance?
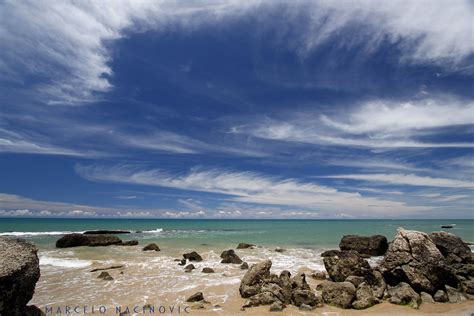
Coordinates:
(105, 232)
(374, 245)
(319, 275)
(34, 310)
(105, 276)
(245, 246)
(340, 294)
(19, 272)
(244, 266)
(356, 280)
(277, 306)
(208, 270)
(285, 283)
(182, 262)
(192, 256)
(274, 289)
(298, 282)
(426, 298)
(107, 268)
(229, 256)
(440, 296)
(403, 294)
(413, 258)
(306, 297)
(377, 283)
(196, 297)
(129, 243)
(189, 268)
(331, 253)
(451, 247)
(278, 249)
(345, 264)
(454, 296)
(264, 298)
(151, 247)
(364, 297)
(306, 308)
(76, 240)
(468, 285)
(252, 281)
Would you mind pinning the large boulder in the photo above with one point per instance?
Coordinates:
(403, 294)
(344, 264)
(375, 245)
(340, 294)
(229, 256)
(77, 240)
(253, 279)
(364, 297)
(413, 258)
(19, 272)
(451, 247)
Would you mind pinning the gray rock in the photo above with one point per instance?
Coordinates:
(340, 294)
(306, 297)
(298, 282)
(208, 270)
(252, 281)
(306, 308)
(413, 258)
(105, 276)
(277, 306)
(452, 247)
(356, 280)
(319, 275)
(196, 297)
(77, 240)
(244, 266)
(189, 268)
(151, 247)
(245, 246)
(284, 281)
(364, 297)
(19, 272)
(377, 283)
(345, 264)
(264, 298)
(192, 256)
(229, 256)
(373, 245)
(426, 298)
(403, 294)
(278, 249)
(454, 296)
(440, 296)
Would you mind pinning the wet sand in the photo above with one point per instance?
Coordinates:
(155, 278)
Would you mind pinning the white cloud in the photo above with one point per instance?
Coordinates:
(375, 124)
(249, 187)
(68, 42)
(407, 179)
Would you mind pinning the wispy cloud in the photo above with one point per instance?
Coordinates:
(41, 38)
(407, 179)
(249, 187)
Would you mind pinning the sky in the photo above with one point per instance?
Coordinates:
(237, 109)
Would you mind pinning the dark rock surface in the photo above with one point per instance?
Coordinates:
(208, 270)
(151, 247)
(192, 256)
(77, 240)
(105, 276)
(229, 256)
(253, 279)
(245, 246)
(451, 247)
(189, 268)
(403, 294)
(196, 297)
(375, 245)
(244, 266)
(19, 272)
(340, 294)
(108, 268)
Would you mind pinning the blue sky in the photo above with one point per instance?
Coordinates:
(236, 109)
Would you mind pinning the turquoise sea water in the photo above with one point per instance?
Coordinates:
(286, 233)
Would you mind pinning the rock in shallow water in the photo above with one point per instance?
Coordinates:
(243, 245)
(229, 256)
(77, 240)
(151, 247)
(192, 256)
(19, 272)
(196, 297)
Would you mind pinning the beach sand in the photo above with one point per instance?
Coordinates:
(155, 278)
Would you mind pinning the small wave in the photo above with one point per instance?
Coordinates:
(33, 234)
(151, 231)
(64, 263)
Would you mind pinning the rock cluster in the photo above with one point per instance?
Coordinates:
(260, 287)
(19, 272)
